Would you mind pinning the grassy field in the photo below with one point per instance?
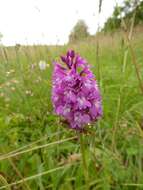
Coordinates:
(38, 152)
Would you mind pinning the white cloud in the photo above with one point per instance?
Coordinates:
(48, 21)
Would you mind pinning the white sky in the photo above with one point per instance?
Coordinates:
(48, 21)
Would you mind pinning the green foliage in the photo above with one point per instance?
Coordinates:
(79, 32)
(126, 12)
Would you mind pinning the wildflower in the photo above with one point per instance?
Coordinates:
(75, 93)
(7, 73)
(29, 93)
(42, 65)
(10, 72)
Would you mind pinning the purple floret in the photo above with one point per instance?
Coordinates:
(75, 93)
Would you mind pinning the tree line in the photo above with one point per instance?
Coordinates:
(126, 12)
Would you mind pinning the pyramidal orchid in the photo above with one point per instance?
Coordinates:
(75, 93)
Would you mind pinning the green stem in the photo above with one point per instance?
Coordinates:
(85, 168)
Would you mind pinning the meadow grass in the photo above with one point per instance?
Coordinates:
(37, 151)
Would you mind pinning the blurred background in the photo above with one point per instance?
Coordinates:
(49, 22)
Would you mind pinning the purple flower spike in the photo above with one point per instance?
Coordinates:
(75, 93)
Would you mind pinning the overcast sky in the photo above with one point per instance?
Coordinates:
(48, 21)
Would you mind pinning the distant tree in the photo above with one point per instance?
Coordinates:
(126, 12)
(79, 32)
